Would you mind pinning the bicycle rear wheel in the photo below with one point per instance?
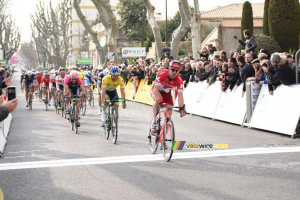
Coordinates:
(30, 100)
(107, 126)
(40, 94)
(114, 127)
(168, 139)
(153, 139)
(83, 108)
(76, 119)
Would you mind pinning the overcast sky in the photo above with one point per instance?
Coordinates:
(21, 10)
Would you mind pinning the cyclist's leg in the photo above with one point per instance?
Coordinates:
(99, 100)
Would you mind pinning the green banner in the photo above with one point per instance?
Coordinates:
(3, 62)
(84, 61)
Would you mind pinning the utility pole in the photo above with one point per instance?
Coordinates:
(143, 27)
(166, 36)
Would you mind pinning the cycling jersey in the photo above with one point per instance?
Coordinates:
(111, 85)
(86, 81)
(53, 78)
(74, 87)
(29, 80)
(100, 77)
(45, 81)
(60, 80)
(166, 85)
(39, 78)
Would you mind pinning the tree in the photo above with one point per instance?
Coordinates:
(247, 19)
(131, 13)
(194, 21)
(29, 54)
(284, 23)
(52, 31)
(265, 20)
(108, 19)
(10, 36)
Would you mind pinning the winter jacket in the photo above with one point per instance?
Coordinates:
(249, 44)
(246, 71)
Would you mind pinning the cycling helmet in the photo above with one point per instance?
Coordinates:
(52, 71)
(106, 72)
(38, 72)
(29, 72)
(74, 75)
(61, 69)
(89, 73)
(33, 70)
(46, 72)
(175, 65)
(85, 74)
(81, 75)
(115, 70)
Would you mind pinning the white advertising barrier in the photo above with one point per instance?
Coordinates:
(232, 106)
(278, 113)
(207, 102)
(2, 142)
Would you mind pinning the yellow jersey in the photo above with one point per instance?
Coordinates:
(111, 85)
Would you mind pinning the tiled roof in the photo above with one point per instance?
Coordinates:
(233, 11)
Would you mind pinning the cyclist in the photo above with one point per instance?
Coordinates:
(109, 92)
(38, 77)
(91, 78)
(99, 84)
(165, 81)
(72, 84)
(86, 83)
(45, 82)
(53, 85)
(29, 80)
(60, 85)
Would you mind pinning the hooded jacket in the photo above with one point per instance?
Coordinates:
(249, 44)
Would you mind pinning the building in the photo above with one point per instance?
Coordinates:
(229, 19)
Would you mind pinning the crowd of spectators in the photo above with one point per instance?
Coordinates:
(231, 69)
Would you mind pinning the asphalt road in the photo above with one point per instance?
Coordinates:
(44, 159)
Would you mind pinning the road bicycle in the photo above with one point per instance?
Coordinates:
(30, 98)
(73, 116)
(47, 97)
(91, 98)
(83, 105)
(165, 133)
(111, 124)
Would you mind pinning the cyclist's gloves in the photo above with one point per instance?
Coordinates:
(182, 111)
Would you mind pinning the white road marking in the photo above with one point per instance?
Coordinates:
(145, 158)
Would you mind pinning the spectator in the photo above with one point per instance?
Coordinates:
(224, 79)
(290, 59)
(168, 56)
(249, 44)
(186, 74)
(187, 60)
(243, 53)
(275, 59)
(152, 76)
(4, 80)
(245, 71)
(231, 53)
(7, 107)
(210, 73)
(165, 49)
(200, 74)
(223, 54)
(167, 62)
(204, 54)
(266, 52)
(232, 63)
(259, 72)
(211, 49)
(194, 66)
(249, 58)
(285, 74)
(266, 66)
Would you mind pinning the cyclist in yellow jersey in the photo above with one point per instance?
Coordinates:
(109, 85)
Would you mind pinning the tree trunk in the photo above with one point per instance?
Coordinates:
(89, 30)
(194, 21)
(155, 27)
(179, 32)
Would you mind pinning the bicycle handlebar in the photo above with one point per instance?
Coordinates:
(113, 101)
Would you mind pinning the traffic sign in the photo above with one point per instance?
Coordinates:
(84, 61)
(111, 63)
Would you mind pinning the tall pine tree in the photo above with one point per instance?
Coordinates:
(284, 23)
(266, 16)
(247, 19)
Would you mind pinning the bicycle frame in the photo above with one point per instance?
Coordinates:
(167, 118)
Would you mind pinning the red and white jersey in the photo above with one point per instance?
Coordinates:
(166, 85)
(53, 77)
(60, 80)
(46, 81)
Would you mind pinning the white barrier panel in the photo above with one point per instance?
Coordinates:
(8, 119)
(2, 142)
(232, 106)
(207, 102)
(5, 129)
(278, 113)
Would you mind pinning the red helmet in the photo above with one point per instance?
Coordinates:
(175, 64)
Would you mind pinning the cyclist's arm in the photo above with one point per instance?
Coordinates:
(156, 92)
(123, 93)
(180, 99)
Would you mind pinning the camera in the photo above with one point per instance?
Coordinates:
(11, 91)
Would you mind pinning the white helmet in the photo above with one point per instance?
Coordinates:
(106, 72)
(52, 71)
(29, 72)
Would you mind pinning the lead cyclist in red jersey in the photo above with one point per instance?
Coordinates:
(165, 81)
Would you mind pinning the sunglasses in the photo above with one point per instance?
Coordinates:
(74, 79)
(175, 70)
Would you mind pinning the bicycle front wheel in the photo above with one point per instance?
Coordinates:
(30, 101)
(168, 139)
(153, 139)
(107, 125)
(76, 119)
(114, 127)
